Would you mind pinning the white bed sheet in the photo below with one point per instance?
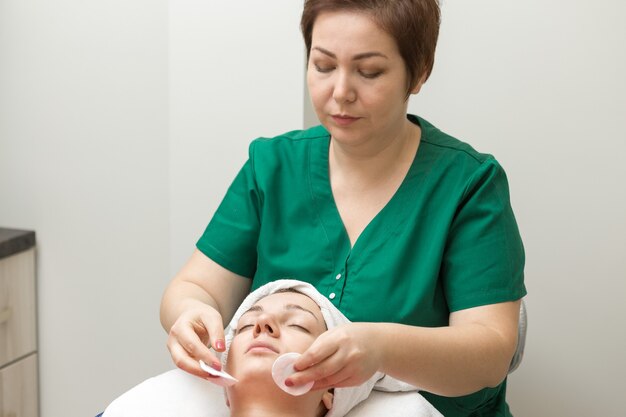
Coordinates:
(177, 393)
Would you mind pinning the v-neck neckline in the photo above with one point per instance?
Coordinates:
(319, 174)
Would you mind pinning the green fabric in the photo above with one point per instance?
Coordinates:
(446, 241)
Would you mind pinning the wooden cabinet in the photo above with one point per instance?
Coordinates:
(18, 325)
(18, 388)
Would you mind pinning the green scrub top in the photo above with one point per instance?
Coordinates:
(446, 241)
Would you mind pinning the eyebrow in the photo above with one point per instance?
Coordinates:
(357, 57)
(259, 309)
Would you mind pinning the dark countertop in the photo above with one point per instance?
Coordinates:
(13, 241)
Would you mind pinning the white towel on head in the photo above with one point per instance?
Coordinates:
(345, 398)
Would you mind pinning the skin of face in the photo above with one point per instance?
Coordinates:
(277, 324)
(356, 70)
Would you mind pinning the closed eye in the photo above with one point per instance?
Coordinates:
(297, 326)
(370, 75)
(242, 328)
(324, 70)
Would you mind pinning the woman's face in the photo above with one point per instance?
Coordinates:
(357, 78)
(277, 324)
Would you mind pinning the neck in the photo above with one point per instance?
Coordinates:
(265, 399)
(253, 410)
(376, 159)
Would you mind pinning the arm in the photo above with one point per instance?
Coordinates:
(195, 305)
(483, 261)
(472, 353)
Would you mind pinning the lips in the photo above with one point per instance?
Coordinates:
(261, 346)
(344, 119)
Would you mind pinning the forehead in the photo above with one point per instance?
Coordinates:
(351, 31)
(278, 302)
(283, 298)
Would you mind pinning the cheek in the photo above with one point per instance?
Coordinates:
(320, 87)
(310, 81)
(387, 100)
(234, 355)
(300, 343)
(386, 94)
(315, 93)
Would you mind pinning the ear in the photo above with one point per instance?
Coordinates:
(419, 84)
(327, 399)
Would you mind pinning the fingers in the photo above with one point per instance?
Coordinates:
(185, 362)
(341, 357)
(336, 380)
(331, 373)
(325, 374)
(321, 349)
(320, 363)
(215, 330)
(190, 337)
(341, 379)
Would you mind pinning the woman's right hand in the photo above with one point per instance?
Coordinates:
(195, 305)
(198, 327)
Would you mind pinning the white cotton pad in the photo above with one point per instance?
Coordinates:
(223, 379)
(283, 369)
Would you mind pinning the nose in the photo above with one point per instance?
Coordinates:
(266, 324)
(343, 91)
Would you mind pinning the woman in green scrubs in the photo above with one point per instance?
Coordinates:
(407, 230)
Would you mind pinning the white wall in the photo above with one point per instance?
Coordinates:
(541, 86)
(84, 163)
(121, 125)
(117, 160)
(236, 74)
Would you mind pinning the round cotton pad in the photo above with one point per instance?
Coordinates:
(283, 369)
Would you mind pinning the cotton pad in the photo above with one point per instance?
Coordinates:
(223, 379)
(283, 369)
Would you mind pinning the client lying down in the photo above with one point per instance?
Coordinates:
(279, 320)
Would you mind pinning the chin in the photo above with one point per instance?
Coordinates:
(340, 130)
(255, 371)
(256, 385)
(346, 137)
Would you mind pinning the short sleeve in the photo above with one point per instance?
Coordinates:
(232, 235)
(484, 256)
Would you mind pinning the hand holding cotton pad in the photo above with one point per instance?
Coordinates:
(283, 369)
(223, 379)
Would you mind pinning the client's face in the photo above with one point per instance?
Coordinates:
(277, 324)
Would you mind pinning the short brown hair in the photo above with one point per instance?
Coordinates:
(414, 24)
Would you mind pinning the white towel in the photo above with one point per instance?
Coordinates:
(177, 393)
(345, 398)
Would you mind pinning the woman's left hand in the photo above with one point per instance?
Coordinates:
(345, 356)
